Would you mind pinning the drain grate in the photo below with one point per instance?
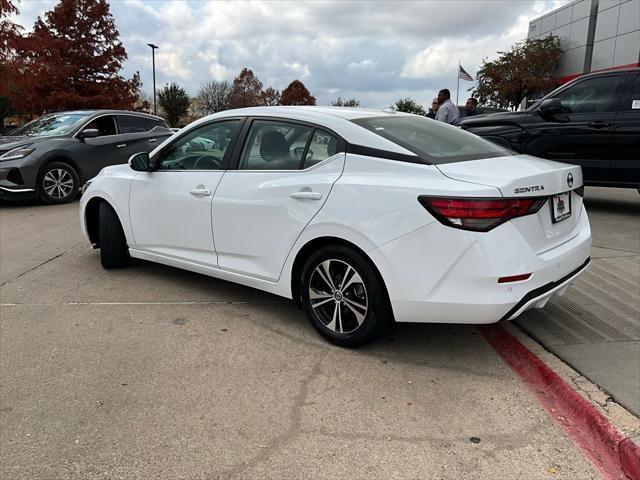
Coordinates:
(602, 306)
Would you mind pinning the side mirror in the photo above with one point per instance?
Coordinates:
(140, 162)
(551, 107)
(89, 133)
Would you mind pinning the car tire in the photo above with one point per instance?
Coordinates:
(344, 297)
(114, 252)
(58, 183)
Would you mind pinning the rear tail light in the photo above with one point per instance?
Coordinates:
(479, 214)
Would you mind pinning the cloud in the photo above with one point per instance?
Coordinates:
(375, 51)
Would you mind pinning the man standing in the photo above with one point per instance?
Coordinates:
(434, 108)
(447, 111)
(471, 107)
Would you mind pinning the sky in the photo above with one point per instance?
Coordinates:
(375, 51)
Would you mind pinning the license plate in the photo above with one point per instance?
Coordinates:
(561, 206)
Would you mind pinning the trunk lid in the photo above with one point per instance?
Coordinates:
(527, 176)
(517, 175)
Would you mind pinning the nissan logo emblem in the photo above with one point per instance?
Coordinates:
(570, 180)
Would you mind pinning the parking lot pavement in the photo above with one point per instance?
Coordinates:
(595, 327)
(152, 372)
(43, 232)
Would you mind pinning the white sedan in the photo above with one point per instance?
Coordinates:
(362, 217)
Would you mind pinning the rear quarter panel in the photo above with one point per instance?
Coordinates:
(374, 202)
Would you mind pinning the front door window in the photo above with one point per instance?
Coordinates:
(205, 148)
(590, 96)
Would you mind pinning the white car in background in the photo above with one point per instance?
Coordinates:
(361, 216)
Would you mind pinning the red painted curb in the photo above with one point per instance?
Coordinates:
(617, 457)
(630, 458)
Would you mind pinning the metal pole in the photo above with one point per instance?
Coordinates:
(458, 87)
(153, 62)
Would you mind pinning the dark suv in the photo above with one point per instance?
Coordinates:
(593, 121)
(51, 157)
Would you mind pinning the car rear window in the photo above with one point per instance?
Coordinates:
(433, 141)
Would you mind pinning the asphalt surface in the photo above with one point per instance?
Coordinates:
(153, 372)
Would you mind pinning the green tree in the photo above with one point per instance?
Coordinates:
(175, 102)
(409, 106)
(350, 102)
(528, 67)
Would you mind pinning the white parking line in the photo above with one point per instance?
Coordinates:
(230, 302)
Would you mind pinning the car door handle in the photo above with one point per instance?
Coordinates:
(599, 124)
(122, 145)
(200, 192)
(152, 140)
(306, 195)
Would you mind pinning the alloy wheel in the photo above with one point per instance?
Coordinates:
(338, 296)
(58, 183)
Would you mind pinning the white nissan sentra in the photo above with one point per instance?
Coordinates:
(363, 217)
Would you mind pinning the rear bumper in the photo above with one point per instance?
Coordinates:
(439, 274)
(539, 297)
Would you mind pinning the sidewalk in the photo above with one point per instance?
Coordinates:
(595, 326)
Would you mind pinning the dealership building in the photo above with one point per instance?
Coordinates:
(596, 35)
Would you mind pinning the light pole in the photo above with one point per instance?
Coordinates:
(153, 60)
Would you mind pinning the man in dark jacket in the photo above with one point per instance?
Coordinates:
(471, 107)
(434, 108)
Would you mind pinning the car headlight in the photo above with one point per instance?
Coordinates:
(16, 154)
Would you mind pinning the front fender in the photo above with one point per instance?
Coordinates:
(115, 190)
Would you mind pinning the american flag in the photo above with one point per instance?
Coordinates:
(463, 74)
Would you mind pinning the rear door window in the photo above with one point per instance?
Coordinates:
(634, 100)
(131, 124)
(274, 145)
(154, 122)
(323, 145)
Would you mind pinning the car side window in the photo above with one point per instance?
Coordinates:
(323, 145)
(634, 101)
(131, 124)
(274, 145)
(106, 125)
(154, 122)
(202, 149)
(590, 96)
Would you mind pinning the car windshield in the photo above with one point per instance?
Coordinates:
(433, 141)
(50, 125)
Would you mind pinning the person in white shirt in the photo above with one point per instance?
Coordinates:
(447, 111)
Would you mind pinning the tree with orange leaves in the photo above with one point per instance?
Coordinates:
(297, 94)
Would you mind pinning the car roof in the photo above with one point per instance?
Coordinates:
(104, 111)
(611, 70)
(314, 113)
(335, 119)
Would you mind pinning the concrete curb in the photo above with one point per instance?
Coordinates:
(616, 457)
